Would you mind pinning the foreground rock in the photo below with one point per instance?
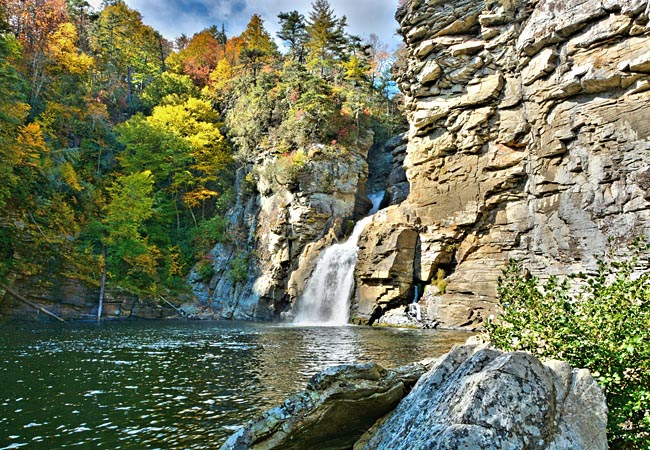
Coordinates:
(481, 398)
(529, 138)
(474, 397)
(337, 407)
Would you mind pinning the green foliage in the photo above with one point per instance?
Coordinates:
(284, 169)
(169, 89)
(600, 322)
(293, 31)
(239, 267)
(210, 232)
(205, 268)
(440, 281)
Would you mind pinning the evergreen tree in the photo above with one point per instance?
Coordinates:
(326, 37)
(259, 48)
(293, 31)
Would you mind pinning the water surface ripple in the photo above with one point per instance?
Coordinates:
(171, 385)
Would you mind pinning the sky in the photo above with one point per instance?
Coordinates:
(175, 17)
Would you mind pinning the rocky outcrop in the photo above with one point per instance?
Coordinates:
(73, 300)
(300, 203)
(337, 407)
(529, 138)
(474, 397)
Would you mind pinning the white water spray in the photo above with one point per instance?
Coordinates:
(325, 300)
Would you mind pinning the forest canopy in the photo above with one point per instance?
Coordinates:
(119, 146)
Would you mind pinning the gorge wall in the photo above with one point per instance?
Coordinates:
(298, 206)
(529, 138)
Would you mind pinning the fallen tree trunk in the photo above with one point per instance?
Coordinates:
(19, 297)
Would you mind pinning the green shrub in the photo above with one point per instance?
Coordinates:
(239, 267)
(205, 268)
(598, 321)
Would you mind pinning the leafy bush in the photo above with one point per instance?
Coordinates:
(598, 321)
(239, 267)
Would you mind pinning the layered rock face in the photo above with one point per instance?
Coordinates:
(299, 208)
(474, 397)
(72, 300)
(529, 138)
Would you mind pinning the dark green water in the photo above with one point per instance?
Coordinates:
(173, 385)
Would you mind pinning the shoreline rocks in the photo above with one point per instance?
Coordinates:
(474, 397)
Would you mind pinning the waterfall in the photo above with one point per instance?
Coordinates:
(325, 300)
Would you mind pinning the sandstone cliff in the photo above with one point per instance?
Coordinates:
(529, 138)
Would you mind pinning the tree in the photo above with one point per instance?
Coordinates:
(129, 255)
(598, 321)
(293, 31)
(198, 57)
(182, 146)
(33, 22)
(259, 48)
(130, 55)
(326, 37)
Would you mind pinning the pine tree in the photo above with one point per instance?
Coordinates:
(293, 31)
(326, 37)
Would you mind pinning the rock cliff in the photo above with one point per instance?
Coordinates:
(529, 138)
(474, 397)
(294, 206)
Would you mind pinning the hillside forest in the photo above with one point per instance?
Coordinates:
(119, 147)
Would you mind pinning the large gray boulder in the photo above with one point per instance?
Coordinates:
(479, 398)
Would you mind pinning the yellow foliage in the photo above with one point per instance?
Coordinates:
(30, 145)
(62, 48)
(70, 176)
(197, 197)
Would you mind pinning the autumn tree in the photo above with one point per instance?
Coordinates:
(198, 57)
(182, 145)
(33, 22)
(259, 48)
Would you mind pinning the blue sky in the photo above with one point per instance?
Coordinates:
(174, 17)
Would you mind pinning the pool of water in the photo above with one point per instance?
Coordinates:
(171, 385)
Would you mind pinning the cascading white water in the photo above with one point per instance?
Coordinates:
(327, 292)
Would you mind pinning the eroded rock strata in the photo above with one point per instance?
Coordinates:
(529, 138)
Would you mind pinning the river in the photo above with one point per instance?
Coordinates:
(171, 385)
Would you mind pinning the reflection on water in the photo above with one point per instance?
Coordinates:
(171, 385)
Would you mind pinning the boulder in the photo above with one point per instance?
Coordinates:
(476, 397)
(337, 407)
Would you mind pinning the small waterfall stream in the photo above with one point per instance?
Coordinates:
(325, 300)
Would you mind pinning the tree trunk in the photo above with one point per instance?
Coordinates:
(19, 297)
(102, 287)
